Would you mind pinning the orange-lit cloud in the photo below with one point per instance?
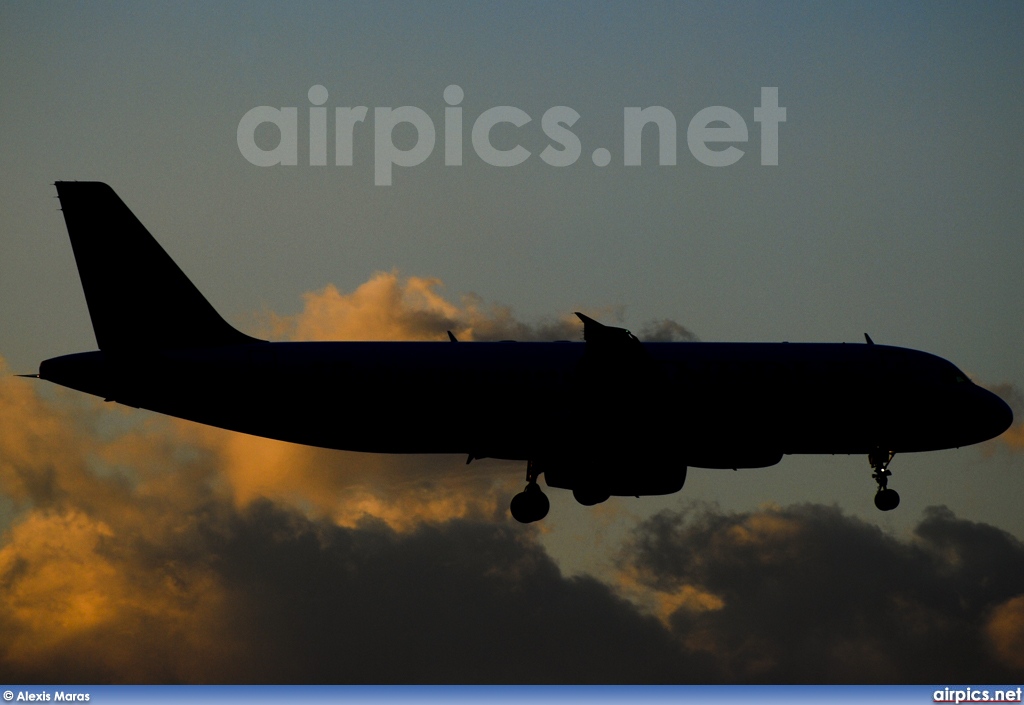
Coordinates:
(1014, 436)
(388, 307)
(80, 563)
(663, 603)
(1005, 628)
(348, 488)
(391, 307)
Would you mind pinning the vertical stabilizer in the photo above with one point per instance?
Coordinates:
(138, 297)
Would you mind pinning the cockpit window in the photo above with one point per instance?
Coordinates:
(956, 376)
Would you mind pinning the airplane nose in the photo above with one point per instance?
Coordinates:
(995, 415)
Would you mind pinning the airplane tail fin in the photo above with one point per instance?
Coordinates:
(138, 298)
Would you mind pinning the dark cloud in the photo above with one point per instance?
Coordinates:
(460, 602)
(265, 595)
(186, 586)
(806, 594)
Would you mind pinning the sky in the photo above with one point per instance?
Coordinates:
(138, 548)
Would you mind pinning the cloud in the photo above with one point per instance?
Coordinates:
(390, 307)
(807, 594)
(457, 602)
(1005, 629)
(666, 331)
(346, 488)
(98, 503)
(84, 600)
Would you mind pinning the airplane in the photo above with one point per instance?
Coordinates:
(607, 416)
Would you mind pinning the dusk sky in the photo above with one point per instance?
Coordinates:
(138, 548)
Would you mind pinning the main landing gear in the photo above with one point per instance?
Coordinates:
(885, 499)
(531, 504)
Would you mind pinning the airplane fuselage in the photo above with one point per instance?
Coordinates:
(708, 404)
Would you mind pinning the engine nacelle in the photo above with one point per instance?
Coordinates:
(735, 459)
(630, 476)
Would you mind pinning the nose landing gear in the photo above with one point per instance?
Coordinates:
(885, 499)
(531, 504)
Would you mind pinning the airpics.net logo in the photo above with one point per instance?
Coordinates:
(716, 125)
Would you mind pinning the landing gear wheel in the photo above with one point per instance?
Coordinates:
(530, 505)
(887, 499)
(588, 497)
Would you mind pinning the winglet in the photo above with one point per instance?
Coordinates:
(868, 339)
(590, 326)
(451, 337)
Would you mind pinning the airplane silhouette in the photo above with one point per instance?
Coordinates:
(608, 416)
